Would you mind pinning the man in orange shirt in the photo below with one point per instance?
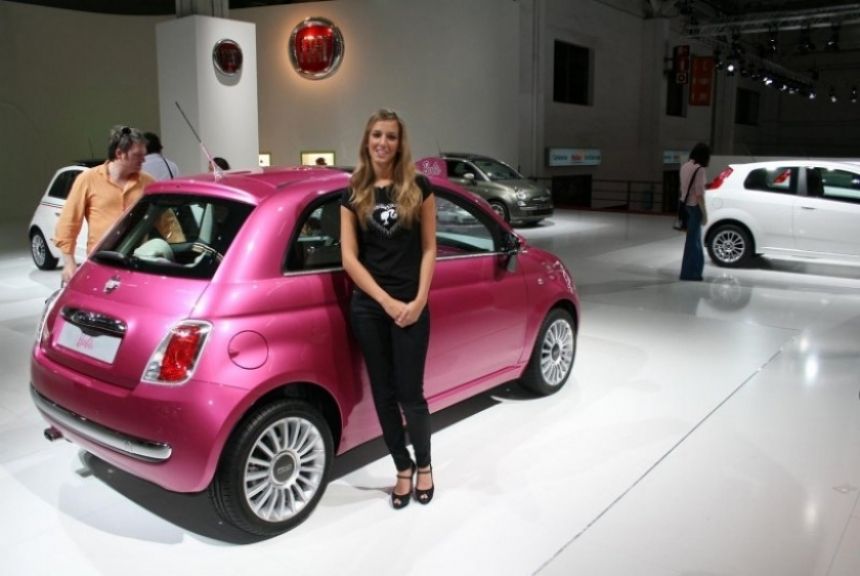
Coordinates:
(101, 194)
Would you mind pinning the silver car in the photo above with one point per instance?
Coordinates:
(513, 197)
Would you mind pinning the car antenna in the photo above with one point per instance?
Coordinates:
(215, 168)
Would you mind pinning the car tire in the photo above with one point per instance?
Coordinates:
(40, 252)
(730, 245)
(553, 354)
(274, 469)
(500, 209)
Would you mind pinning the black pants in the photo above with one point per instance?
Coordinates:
(395, 364)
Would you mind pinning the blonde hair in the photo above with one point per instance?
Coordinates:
(407, 195)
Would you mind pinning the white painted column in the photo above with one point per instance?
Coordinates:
(222, 108)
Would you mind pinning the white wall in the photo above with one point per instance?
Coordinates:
(448, 67)
(222, 109)
(70, 76)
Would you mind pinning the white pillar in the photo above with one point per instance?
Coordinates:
(222, 108)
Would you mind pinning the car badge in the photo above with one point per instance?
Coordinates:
(316, 48)
(111, 284)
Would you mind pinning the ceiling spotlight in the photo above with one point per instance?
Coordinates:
(832, 44)
(730, 69)
(771, 40)
(833, 97)
(854, 94)
(767, 79)
(805, 44)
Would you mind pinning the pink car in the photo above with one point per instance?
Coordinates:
(220, 358)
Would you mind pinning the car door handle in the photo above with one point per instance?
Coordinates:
(807, 208)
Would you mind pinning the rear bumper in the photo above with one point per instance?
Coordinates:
(169, 435)
(122, 443)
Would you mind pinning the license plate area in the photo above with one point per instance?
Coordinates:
(102, 347)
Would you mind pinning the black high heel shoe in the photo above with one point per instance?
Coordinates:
(399, 501)
(424, 496)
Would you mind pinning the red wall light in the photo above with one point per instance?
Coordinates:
(316, 48)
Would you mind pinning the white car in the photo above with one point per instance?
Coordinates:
(44, 221)
(806, 209)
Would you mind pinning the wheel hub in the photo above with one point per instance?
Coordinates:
(284, 468)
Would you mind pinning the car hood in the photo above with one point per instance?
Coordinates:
(108, 321)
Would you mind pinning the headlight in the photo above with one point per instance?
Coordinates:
(521, 195)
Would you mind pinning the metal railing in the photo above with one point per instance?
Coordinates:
(643, 196)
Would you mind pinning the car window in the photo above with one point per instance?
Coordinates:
(782, 180)
(317, 245)
(459, 169)
(174, 235)
(62, 184)
(458, 230)
(833, 184)
(495, 170)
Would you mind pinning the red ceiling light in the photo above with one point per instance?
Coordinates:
(316, 48)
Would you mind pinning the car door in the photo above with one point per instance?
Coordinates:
(827, 215)
(768, 201)
(477, 311)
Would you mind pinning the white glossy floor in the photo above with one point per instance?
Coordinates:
(708, 429)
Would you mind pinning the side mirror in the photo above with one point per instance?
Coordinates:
(469, 178)
(511, 247)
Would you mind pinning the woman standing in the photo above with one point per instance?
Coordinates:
(693, 190)
(388, 247)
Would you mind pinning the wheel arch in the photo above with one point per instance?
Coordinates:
(315, 395)
(713, 228)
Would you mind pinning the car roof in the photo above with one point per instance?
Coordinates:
(849, 164)
(465, 156)
(255, 185)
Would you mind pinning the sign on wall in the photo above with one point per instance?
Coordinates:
(573, 157)
(675, 156)
(681, 64)
(702, 80)
(316, 48)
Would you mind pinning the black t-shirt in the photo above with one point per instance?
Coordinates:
(389, 251)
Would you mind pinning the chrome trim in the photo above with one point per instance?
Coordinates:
(87, 320)
(127, 445)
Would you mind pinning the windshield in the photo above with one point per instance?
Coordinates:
(495, 170)
(174, 235)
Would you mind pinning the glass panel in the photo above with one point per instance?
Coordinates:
(63, 183)
(458, 231)
(174, 235)
(772, 180)
(838, 184)
(318, 244)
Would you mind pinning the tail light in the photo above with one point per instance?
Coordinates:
(721, 177)
(175, 359)
(44, 332)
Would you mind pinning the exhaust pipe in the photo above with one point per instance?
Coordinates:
(52, 434)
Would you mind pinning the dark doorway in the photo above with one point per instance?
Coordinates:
(572, 191)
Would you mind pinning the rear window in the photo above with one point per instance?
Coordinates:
(174, 235)
(62, 184)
